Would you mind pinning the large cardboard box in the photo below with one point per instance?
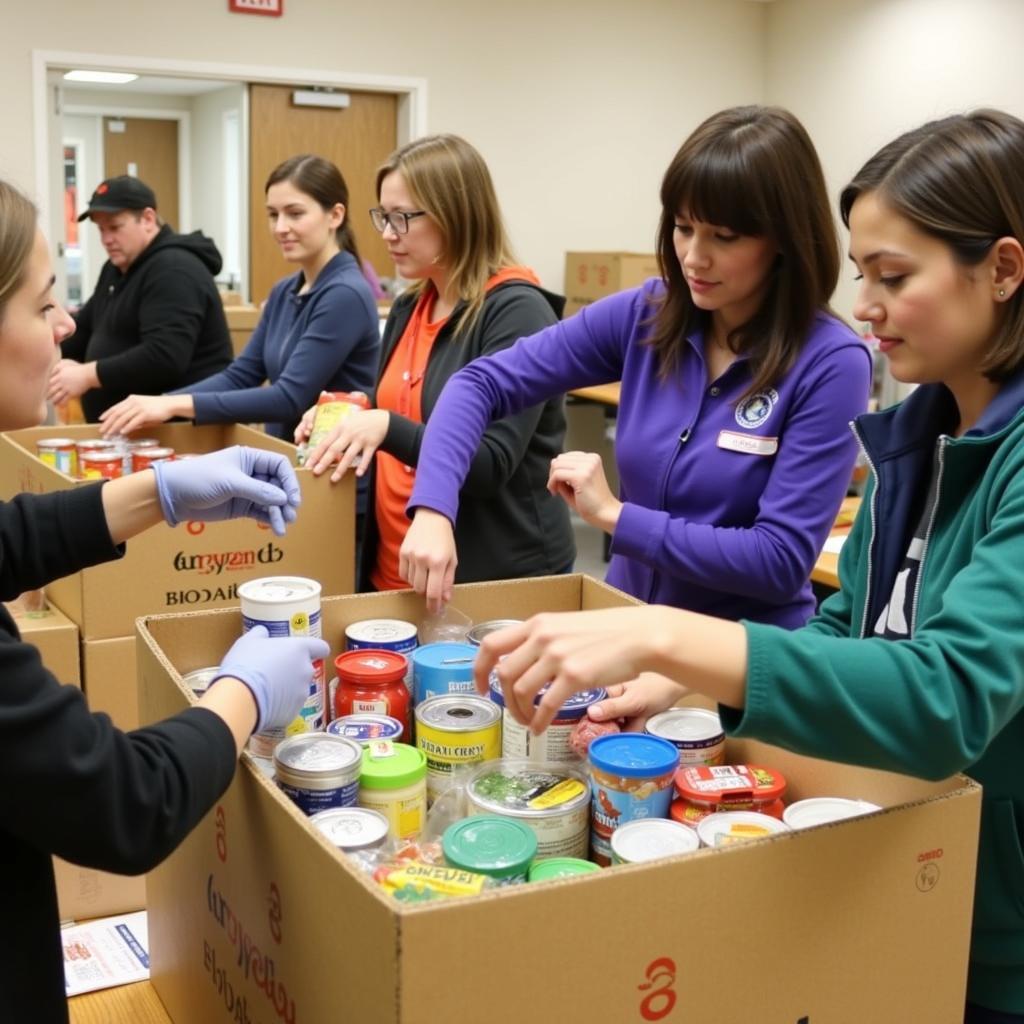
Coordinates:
(257, 916)
(110, 679)
(592, 275)
(84, 893)
(56, 637)
(196, 565)
(242, 320)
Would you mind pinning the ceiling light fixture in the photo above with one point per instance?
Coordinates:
(100, 77)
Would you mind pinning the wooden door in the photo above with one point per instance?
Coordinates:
(148, 149)
(357, 139)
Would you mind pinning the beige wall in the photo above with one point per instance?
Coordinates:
(577, 107)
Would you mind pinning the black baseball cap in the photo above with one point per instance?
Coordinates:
(121, 193)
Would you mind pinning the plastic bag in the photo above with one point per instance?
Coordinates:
(449, 625)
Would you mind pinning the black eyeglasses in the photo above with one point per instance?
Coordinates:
(397, 219)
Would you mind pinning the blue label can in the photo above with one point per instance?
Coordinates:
(442, 668)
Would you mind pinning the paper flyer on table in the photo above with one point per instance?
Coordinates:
(106, 952)
(834, 544)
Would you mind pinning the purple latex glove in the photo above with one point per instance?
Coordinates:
(229, 484)
(277, 670)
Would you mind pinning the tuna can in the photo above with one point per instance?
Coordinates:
(199, 680)
(632, 778)
(365, 727)
(143, 458)
(393, 781)
(476, 635)
(352, 828)
(705, 789)
(554, 800)
(442, 668)
(560, 867)
(453, 731)
(105, 464)
(486, 844)
(552, 746)
(318, 771)
(822, 810)
(286, 606)
(727, 828)
(59, 452)
(697, 734)
(646, 839)
(384, 635)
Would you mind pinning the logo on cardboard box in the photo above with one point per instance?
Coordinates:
(216, 562)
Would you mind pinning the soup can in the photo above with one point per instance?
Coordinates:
(705, 789)
(366, 727)
(91, 444)
(384, 635)
(129, 446)
(442, 668)
(646, 839)
(823, 810)
(695, 732)
(727, 828)
(318, 771)
(454, 731)
(143, 458)
(501, 848)
(103, 464)
(632, 777)
(59, 452)
(198, 681)
(476, 635)
(287, 606)
(554, 800)
(352, 828)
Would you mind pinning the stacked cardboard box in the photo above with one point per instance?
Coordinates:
(592, 275)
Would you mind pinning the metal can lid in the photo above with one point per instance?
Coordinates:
(728, 827)
(686, 725)
(476, 635)
(820, 810)
(385, 631)
(388, 765)
(633, 755)
(87, 444)
(511, 786)
(371, 665)
(365, 726)
(718, 784)
(314, 754)
(490, 845)
(457, 712)
(142, 442)
(560, 867)
(574, 708)
(55, 442)
(157, 453)
(651, 839)
(352, 828)
(198, 680)
(103, 455)
(277, 589)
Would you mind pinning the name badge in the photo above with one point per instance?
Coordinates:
(748, 444)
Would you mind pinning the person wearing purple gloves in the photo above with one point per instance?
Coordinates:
(74, 785)
(738, 386)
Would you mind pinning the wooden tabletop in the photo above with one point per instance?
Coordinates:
(826, 568)
(606, 393)
(126, 1004)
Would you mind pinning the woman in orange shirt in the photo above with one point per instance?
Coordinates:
(439, 216)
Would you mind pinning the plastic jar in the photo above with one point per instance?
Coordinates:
(823, 810)
(560, 867)
(393, 781)
(373, 680)
(706, 789)
(488, 845)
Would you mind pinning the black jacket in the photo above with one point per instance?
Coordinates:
(509, 525)
(73, 784)
(157, 327)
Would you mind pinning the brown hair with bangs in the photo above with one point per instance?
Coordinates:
(755, 171)
(17, 236)
(449, 179)
(961, 180)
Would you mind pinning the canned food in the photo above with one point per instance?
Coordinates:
(553, 746)
(728, 787)
(560, 867)
(453, 731)
(554, 800)
(198, 681)
(442, 668)
(393, 781)
(352, 828)
(331, 408)
(105, 464)
(287, 606)
(632, 778)
(500, 848)
(729, 827)
(821, 810)
(476, 635)
(373, 681)
(386, 635)
(651, 839)
(129, 446)
(365, 727)
(143, 458)
(92, 444)
(59, 452)
(318, 771)
(691, 814)
(696, 733)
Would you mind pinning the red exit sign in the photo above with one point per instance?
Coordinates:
(273, 8)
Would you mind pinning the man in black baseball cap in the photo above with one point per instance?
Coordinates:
(155, 321)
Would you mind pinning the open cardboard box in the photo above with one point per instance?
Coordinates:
(195, 565)
(256, 917)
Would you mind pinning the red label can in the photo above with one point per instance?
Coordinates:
(145, 457)
(95, 465)
(372, 680)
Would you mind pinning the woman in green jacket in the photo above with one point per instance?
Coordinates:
(917, 664)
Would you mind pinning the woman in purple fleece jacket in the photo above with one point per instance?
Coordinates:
(738, 385)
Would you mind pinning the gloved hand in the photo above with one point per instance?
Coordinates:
(277, 670)
(229, 484)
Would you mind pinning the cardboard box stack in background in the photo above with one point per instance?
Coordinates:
(193, 565)
(55, 635)
(592, 275)
(864, 920)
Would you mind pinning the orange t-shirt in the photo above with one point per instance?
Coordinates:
(400, 390)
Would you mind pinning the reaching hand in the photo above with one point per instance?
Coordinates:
(353, 441)
(229, 484)
(427, 558)
(138, 411)
(69, 379)
(637, 700)
(579, 479)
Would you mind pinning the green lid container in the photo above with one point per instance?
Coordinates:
(490, 845)
(392, 766)
(560, 867)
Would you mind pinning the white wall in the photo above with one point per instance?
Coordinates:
(88, 128)
(577, 107)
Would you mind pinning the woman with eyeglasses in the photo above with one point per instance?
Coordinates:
(318, 332)
(738, 385)
(440, 219)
